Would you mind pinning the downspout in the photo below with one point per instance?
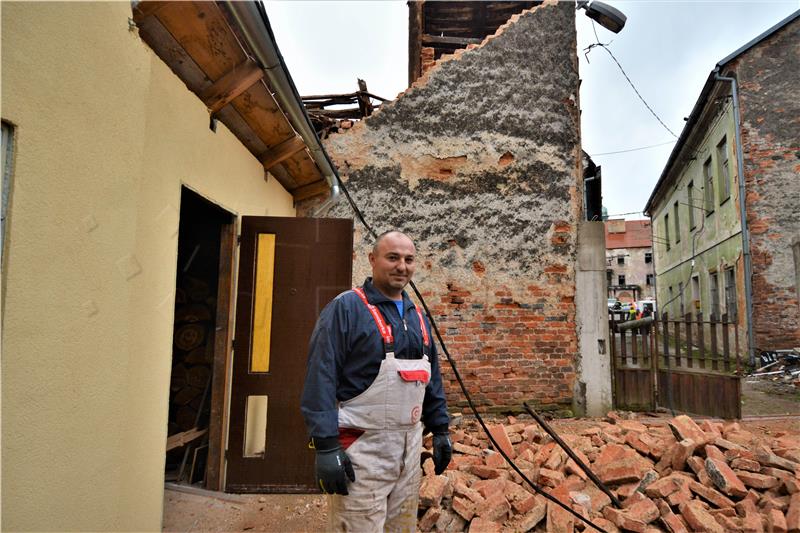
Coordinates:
(748, 269)
(254, 24)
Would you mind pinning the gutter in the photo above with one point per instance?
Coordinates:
(257, 32)
(748, 268)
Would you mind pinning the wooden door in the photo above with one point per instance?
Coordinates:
(289, 269)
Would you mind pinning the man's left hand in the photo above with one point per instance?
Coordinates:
(442, 452)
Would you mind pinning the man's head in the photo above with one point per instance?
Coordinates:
(393, 262)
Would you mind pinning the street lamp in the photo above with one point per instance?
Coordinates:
(608, 17)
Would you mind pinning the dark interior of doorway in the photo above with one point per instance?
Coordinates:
(200, 235)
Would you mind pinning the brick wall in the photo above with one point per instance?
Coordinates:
(480, 162)
(769, 77)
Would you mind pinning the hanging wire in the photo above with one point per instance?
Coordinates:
(634, 149)
(604, 46)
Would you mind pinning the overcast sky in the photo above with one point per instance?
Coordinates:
(666, 48)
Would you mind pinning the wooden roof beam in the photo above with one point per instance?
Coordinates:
(309, 190)
(282, 151)
(232, 84)
(448, 40)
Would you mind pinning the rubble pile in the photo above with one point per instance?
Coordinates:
(676, 477)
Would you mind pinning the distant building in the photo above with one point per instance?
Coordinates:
(713, 254)
(629, 260)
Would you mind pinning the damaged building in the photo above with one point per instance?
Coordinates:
(726, 226)
(480, 162)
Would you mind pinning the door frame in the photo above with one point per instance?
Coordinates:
(223, 340)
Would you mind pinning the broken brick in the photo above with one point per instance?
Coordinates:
(431, 490)
(710, 495)
(429, 519)
(724, 478)
(683, 427)
(699, 519)
(793, 514)
(681, 452)
(481, 525)
(757, 481)
(498, 432)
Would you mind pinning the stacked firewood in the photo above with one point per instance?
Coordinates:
(193, 356)
(676, 477)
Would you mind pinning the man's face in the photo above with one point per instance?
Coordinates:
(392, 264)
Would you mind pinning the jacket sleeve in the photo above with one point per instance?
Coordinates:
(326, 353)
(434, 407)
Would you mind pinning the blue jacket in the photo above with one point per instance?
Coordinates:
(345, 354)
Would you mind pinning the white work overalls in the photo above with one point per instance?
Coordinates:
(381, 432)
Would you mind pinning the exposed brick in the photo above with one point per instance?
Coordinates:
(757, 481)
(740, 463)
(529, 519)
(498, 432)
(494, 507)
(481, 525)
(558, 519)
(464, 507)
(484, 472)
(724, 478)
(550, 478)
(683, 427)
(429, 519)
(495, 460)
(664, 487)
(682, 451)
(699, 519)
(776, 522)
(714, 452)
(793, 514)
(710, 495)
(431, 490)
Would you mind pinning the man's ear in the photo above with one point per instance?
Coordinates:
(371, 257)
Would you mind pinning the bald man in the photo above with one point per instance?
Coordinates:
(373, 382)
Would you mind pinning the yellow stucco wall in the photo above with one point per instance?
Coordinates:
(105, 136)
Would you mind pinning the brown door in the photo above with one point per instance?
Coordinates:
(289, 269)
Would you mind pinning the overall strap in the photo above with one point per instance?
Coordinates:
(384, 328)
(426, 342)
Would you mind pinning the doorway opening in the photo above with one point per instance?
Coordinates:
(201, 342)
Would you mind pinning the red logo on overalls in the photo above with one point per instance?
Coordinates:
(415, 412)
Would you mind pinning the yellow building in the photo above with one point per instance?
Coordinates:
(124, 201)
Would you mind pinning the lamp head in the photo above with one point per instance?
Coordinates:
(608, 17)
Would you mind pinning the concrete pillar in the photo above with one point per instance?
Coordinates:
(593, 395)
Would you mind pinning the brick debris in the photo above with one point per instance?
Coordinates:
(677, 477)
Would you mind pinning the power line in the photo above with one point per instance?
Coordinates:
(634, 149)
(605, 47)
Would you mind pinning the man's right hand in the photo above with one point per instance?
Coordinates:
(333, 467)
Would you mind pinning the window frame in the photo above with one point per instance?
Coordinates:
(723, 169)
(729, 278)
(620, 279)
(713, 293)
(708, 187)
(648, 258)
(620, 259)
(666, 230)
(676, 221)
(692, 207)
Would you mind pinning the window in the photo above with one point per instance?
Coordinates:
(690, 194)
(722, 163)
(648, 257)
(680, 297)
(677, 222)
(730, 293)
(696, 291)
(671, 294)
(609, 276)
(708, 191)
(621, 260)
(5, 168)
(650, 280)
(621, 279)
(666, 230)
(713, 293)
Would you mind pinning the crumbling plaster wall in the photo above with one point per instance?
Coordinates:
(769, 77)
(480, 162)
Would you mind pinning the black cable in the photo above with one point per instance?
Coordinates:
(464, 390)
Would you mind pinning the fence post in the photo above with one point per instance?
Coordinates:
(701, 343)
(712, 327)
(687, 318)
(677, 324)
(726, 343)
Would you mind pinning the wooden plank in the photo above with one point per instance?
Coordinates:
(185, 437)
(310, 190)
(713, 333)
(146, 8)
(218, 418)
(415, 28)
(202, 31)
(449, 40)
(282, 152)
(231, 85)
(726, 343)
(302, 168)
(261, 112)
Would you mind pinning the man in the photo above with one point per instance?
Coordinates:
(373, 381)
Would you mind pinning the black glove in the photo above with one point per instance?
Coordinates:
(442, 452)
(332, 465)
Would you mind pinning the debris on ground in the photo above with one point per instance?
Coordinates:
(682, 476)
